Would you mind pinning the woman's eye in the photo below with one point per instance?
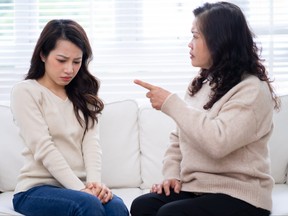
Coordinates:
(60, 60)
(77, 62)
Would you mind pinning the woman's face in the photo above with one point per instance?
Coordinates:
(62, 64)
(199, 54)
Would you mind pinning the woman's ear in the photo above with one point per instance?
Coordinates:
(43, 58)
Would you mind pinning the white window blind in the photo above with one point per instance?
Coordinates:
(143, 39)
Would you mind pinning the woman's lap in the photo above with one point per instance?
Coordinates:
(193, 205)
(50, 200)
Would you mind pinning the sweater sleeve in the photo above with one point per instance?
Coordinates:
(172, 158)
(92, 154)
(234, 122)
(27, 111)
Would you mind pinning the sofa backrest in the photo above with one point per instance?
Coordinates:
(279, 143)
(133, 140)
(154, 130)
(10, 150)
(119, 138)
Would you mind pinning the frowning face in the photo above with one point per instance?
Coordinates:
(62, 64)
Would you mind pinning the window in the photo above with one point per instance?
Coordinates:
(143, 39)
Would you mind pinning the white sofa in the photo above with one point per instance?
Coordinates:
(134, 138)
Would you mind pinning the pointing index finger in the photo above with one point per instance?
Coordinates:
(144, 84)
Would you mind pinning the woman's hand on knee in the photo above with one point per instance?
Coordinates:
(101, 191)
(167, 185)
(87, 190)
(106, 194)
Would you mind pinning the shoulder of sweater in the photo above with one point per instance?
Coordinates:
(250, 90)
(26, 84)
(253, 85)
(26, 90)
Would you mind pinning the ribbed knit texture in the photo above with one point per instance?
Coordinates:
(224, 149)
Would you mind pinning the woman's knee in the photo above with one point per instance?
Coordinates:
(138, 205)
(116, 207)
(165, 210)
(144, 205)
(88, 205)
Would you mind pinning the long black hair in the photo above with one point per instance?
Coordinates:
(83, 89)
(233, 50)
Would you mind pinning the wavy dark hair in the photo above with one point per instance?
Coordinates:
(83, 89)
(232, 48)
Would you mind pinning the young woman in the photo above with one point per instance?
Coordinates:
(218, 160)
(56, 109)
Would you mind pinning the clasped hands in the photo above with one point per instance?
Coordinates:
(166, 186)
(99, 190)
(156, 94)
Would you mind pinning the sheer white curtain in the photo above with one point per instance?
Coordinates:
(144, 39)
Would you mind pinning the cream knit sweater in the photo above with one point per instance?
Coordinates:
(57, 151)
(224, 149)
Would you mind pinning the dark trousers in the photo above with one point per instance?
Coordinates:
(190, 204)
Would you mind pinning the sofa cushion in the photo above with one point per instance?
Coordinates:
(279, 197)
(10, 146)
(6, 206)
(279, 143)
(120, 144)
(154, 131)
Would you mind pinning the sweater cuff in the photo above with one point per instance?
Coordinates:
(172, 101)
(79, 186)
